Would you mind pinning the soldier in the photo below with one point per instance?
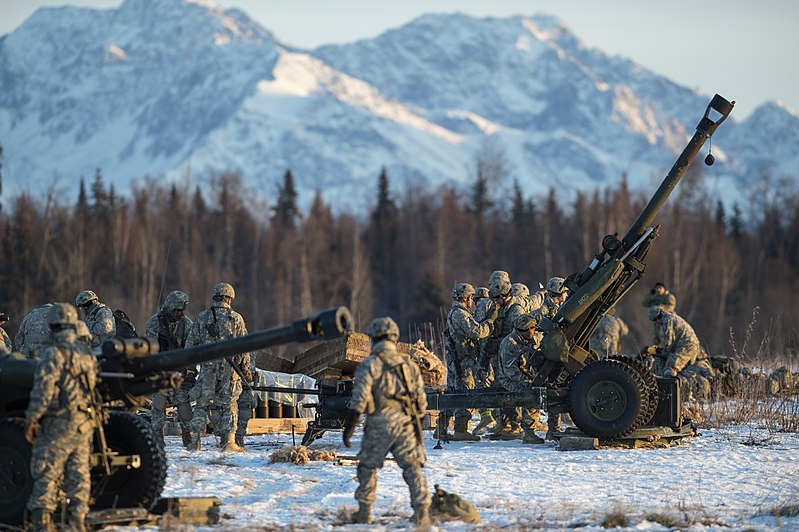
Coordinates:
(529, 303)
(219, 379)
(659, 296)
(170, 327)
(508, 308)
(606, 340)
(463, 332)
(5, 342)
(514, 375)
(480, 296)
(389, 390)
(59, 423)
(99, 318)
(34, 333)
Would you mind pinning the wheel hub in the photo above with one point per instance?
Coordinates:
(607, 400)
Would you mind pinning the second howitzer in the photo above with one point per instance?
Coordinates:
(129, 467)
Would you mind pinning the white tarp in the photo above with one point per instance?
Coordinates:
(287, 380)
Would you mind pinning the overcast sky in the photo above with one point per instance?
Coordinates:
(746, 50)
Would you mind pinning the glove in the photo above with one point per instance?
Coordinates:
(349, 426)
(31, 431)
(247, 374)
(649, 350)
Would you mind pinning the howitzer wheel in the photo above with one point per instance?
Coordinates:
(651, 392)
(16, 481)
(606, 399)
(129, 434)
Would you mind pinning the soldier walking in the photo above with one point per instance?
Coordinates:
(390, 391)
(99, 317)
(463, 332)
(220, 380)
(59, 422)
(170, 327)
(33, 334)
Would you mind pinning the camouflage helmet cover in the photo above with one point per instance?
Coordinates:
(381, 328)
(655, 312)
(525, 322)
(520, 290)
(462, 291)
(480, 292)
(84, 297)
(555, 285)
(176, 300)
(62, 314)
(224, 289)
(83, 330)
(499, 284)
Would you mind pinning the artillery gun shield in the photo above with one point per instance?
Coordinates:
(606, 399)
(128, 434)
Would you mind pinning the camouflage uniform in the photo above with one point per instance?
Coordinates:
(100, 320)
(378, 392)
(34, 333)
(465, 332)
(247, 401)
(218, 381)
(679, 346)
(61, 402)
(606, 340)
(171, 332)
(5, 342)
(667, 301)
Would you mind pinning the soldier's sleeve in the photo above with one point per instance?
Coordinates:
(45, 383)
(623, 329)
(536, 300)
(19, 338)
(667, 335)
(194, 337)
(151, 330)
(105, 325)
(362, 400)
(468, 326)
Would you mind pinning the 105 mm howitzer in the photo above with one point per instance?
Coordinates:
(130, 464)
(608, 398)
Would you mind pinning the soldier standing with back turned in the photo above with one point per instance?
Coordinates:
(59, 422)
(219, 379)
(390, 391)
(170, 328)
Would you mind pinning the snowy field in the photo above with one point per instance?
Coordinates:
(731, 479)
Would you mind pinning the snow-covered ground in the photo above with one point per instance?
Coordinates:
(730, 478)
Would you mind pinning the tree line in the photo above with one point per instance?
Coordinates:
(734, 273)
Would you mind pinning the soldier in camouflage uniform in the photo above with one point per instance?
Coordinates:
(529, 303)
(219, 379)
(170, 328)
(480, 297)
(606, 340)
(463, 333)
(390, 391)
(5, 342)
(507, 308)
(99, 318)
(514, 371)
(34, 333)
(661, 297)
(59, 421)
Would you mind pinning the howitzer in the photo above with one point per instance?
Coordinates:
(608, 398)
(129, 371)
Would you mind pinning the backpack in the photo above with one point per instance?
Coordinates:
(125, 327)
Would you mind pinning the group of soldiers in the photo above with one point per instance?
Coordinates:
(64, 407)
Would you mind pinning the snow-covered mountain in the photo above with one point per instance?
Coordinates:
(163, 87)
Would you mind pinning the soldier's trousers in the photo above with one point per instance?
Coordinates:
(62, 450)
(178, 398)
(465, 382)
(246, 404)
(381, 436)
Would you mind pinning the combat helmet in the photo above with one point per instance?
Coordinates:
(462, 291)
(224, 289)
(85, 297)
(481, 292)
(499, 284)
(555, 285)
(176, 300)
(524, 322)
(383, 329)
(520, 290)
(61, 316)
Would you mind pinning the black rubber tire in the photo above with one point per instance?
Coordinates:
(129, 434)
(651, 391)
(16, 481)
(606, 399)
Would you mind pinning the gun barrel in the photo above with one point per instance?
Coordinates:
(717, 111)
(325, 325)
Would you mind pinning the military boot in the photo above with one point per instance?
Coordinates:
(531, 437)
(421, 518)
(441, 428)
(194, 442)
(76, 522)
(42, 521)
(486, 419)
(228, 444)
(509, 433)
(462, 430)
(364, 514)
(186, 436)
(240, 440)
